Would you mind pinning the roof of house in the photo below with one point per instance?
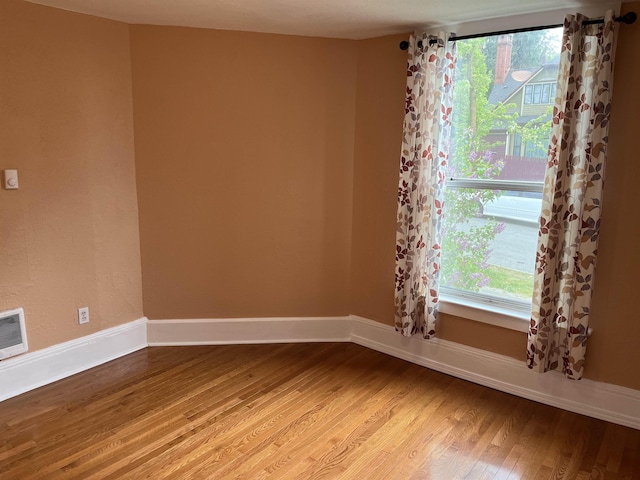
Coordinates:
(499, 93)
(515, 79)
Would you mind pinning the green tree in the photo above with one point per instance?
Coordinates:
(536, 131)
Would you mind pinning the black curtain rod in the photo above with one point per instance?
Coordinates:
(627, 18)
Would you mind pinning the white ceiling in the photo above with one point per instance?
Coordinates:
(353, 19)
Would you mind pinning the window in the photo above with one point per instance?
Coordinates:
(540, 94)
(534, 150)
(517, 145)
(494, 194)
(531, 148)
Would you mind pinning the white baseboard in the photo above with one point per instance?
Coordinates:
(32, 370)
(228, 331)
(596, 399)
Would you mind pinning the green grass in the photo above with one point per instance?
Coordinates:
(511, 281)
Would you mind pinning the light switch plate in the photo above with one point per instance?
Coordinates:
(11, 179)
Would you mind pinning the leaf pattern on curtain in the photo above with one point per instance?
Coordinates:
(571, 204)
(425, 152)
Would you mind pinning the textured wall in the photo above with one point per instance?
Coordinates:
(69, 235)
(244, 151)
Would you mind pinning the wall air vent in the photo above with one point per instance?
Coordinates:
(13, 335)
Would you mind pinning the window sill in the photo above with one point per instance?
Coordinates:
(479, 312)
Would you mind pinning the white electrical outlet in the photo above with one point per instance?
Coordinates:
(83, 315)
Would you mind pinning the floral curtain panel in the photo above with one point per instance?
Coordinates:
(425, 149)
(570, 218)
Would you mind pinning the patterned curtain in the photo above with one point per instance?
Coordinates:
(570, 218)
(425, 147)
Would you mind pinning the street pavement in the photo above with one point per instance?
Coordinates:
(514, 247)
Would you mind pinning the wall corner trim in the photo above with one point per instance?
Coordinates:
(229, 331)
(32, 370)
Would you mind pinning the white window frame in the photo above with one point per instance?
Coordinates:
(552, 93)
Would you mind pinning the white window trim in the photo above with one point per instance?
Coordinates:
(484, 313)
(510, 185)
(489, 314)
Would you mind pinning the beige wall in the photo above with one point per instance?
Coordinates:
(612, 355)
(69, 235)
(381, 84)
(244, 151)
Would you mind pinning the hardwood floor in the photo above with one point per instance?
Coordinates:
(298, 411)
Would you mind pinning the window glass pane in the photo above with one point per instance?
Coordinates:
(493, 251)
(536, 93)
(517, 145)
(491, 234)
(545, 93)
(534, 151)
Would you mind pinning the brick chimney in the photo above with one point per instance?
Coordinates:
(503, 58)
